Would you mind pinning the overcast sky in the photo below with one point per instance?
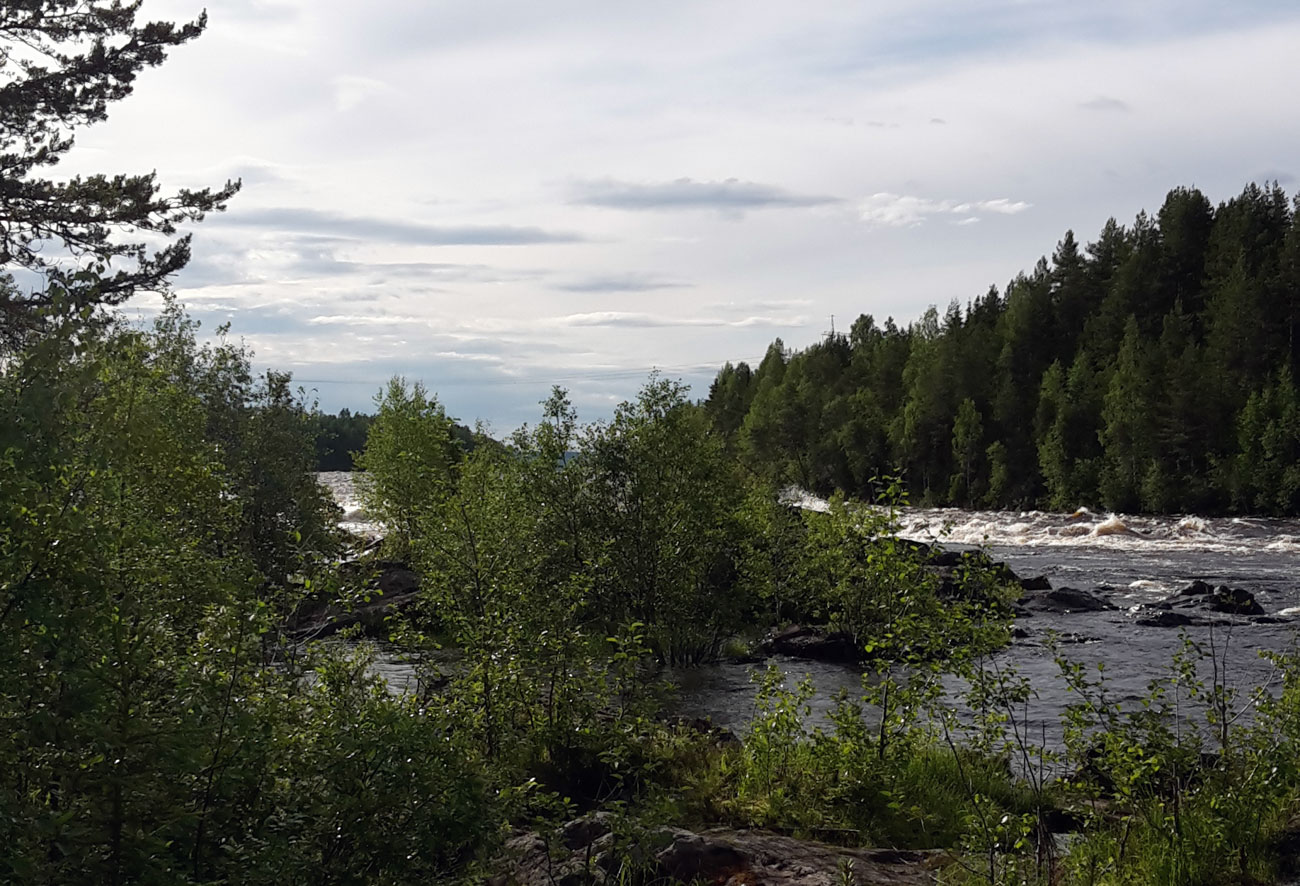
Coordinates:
(497, 195)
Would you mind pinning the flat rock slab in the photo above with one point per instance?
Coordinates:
(716, 855)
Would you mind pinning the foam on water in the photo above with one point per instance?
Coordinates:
(1192, 526)
(1112, 525)
(1085, 530)
(342, 485)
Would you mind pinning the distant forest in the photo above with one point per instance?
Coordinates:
(1150, 370)
(339, 437)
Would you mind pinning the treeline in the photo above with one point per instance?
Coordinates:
(340, 437)
(1153, 369)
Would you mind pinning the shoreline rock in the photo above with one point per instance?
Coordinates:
(587, 852)
(389, 587)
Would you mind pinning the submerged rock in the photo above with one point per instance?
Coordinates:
(1165, 618)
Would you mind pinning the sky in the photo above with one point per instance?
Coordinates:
(498, 196)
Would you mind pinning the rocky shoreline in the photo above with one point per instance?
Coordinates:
(588, 852)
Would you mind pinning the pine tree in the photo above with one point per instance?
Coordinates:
(62, 63)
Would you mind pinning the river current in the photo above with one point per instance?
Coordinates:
(1128, 560)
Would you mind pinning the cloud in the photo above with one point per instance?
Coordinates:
(350, 91)
(365, 320)
(634, 320)
(1105, 103)
(730, 196)
(627, 282)
(887, 210)
(315, 221)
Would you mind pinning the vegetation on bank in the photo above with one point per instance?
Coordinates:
(1153, 369)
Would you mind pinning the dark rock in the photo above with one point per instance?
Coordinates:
(397, 580)
(693, 857)
(1036, 583)
(582, 832)
(1061, 821)
(719, 736)
(1223, 599)
(810, 643)
(1235, 601)
(1164, 618)
(947, 559)
(1065, 600)
(790, 632)
(392, 588)
(917, 547)
(717, 855)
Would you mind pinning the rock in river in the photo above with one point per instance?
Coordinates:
(1065, 600)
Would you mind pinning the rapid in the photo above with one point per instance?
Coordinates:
(1128, 560)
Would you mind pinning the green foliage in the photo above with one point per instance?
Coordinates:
(667, 502)
(1112, 374)
(410, 461)
(152, 727)
(62, 63)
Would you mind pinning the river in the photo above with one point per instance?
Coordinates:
(1128, 560)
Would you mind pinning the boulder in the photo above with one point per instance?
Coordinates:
(582, 832)
(1165, 618)
(392, 588)
(815, 644)
(1222, 599)
(1065, 600)
(1197, 588)
(692, 858)
(1235, 601)
(1035, 583)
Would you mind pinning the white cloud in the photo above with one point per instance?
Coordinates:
(636, 320)
(350, 90)
(902, 211)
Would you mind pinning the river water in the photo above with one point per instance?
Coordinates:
(1128, 560)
